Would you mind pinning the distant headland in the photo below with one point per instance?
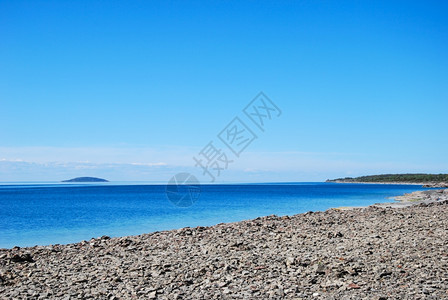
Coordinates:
(86, 179)
(428, 180)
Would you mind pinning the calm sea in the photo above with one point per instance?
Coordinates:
(43, 214)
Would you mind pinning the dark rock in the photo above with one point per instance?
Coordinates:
(320, 269)
(22, 258)
(334, 235)
(385, 273)
(313, 280)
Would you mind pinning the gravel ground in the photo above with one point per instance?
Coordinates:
(366, 253)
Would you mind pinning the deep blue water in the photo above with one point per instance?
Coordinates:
(43, 214)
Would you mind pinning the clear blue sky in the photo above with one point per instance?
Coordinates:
(131, 90)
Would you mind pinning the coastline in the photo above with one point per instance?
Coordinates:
(219, 203)
(365, 182)
(423, 184)
(363, 253)
(410, 199)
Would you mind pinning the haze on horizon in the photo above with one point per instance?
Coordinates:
(134, 90)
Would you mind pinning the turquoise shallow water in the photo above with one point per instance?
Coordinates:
(43, 214)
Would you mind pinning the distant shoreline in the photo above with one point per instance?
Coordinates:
(423, 184)
(365, 182)
(426, 180)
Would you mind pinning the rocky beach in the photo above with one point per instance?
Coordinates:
(378, 252)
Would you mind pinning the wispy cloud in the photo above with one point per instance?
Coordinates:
(126, 155)
(149, 164)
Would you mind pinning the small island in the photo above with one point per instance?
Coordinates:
(86, 179)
